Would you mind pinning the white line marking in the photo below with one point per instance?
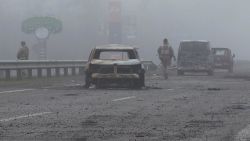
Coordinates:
(25, 116)
(243, 135)
(170, 89)
(125, 98)
(51, 87)
(70, 85)
(14, 91)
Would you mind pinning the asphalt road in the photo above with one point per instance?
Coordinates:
(189, 108)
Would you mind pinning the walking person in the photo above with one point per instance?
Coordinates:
(166, 54)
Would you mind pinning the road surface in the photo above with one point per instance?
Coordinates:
(188, 108)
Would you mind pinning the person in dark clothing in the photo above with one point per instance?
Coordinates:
(166, 54)
(23, 52)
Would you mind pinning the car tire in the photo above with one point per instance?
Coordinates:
(142, 84)
(138, 83)
(142, 80)
(87, 81)
(87, 84)
(100, 84)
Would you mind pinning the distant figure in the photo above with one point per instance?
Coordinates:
(23, 52)
(166, 54)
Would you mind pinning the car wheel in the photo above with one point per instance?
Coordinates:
(100, 84)
(87, 84)
(142, 80)
(87, 81)
(137, 84)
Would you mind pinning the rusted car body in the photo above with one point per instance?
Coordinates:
(114, 64)
(195, 56)
(223, 58)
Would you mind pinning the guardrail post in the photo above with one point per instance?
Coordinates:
(81, 70)
(39, 72)
(49, 72)
(7, 74)
(30, 73)
(66, 71)
(19, 74)
(73, 70)
(57, 72)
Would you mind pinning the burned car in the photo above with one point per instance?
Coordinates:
(195, 56)
(223, 58)
(114, 65)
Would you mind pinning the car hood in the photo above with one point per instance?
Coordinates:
(117, 62)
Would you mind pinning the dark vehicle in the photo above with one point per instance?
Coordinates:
(223, 58)
(195, 56)
(114, 64)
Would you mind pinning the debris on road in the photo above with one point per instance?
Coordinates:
(214, 89)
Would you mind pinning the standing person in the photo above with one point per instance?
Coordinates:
(23, 52)
(166, 54)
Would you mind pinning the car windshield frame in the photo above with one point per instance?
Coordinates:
(226, 51)
(194, 47)
(129, 53)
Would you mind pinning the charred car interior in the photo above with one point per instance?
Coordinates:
(114, 64)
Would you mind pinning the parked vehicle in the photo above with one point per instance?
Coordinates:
(115, 64)
(195, 56)
(223, 58)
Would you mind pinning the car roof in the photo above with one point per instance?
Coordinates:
(220, 48)
(115, 47)
(205, 41)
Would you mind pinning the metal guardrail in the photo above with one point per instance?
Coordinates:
(28, 68)
(21, 69)
(40, 64)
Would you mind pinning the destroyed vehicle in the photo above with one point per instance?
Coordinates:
(195, 56)
(223, 58)
(114, 65)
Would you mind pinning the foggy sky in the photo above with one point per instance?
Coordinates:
(225, 23)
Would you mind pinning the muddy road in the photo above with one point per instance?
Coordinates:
(188, 108)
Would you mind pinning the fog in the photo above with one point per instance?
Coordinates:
(225, 23)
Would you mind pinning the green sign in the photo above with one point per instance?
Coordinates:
(53, 25)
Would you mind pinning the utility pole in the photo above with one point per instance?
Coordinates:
(115, 22)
